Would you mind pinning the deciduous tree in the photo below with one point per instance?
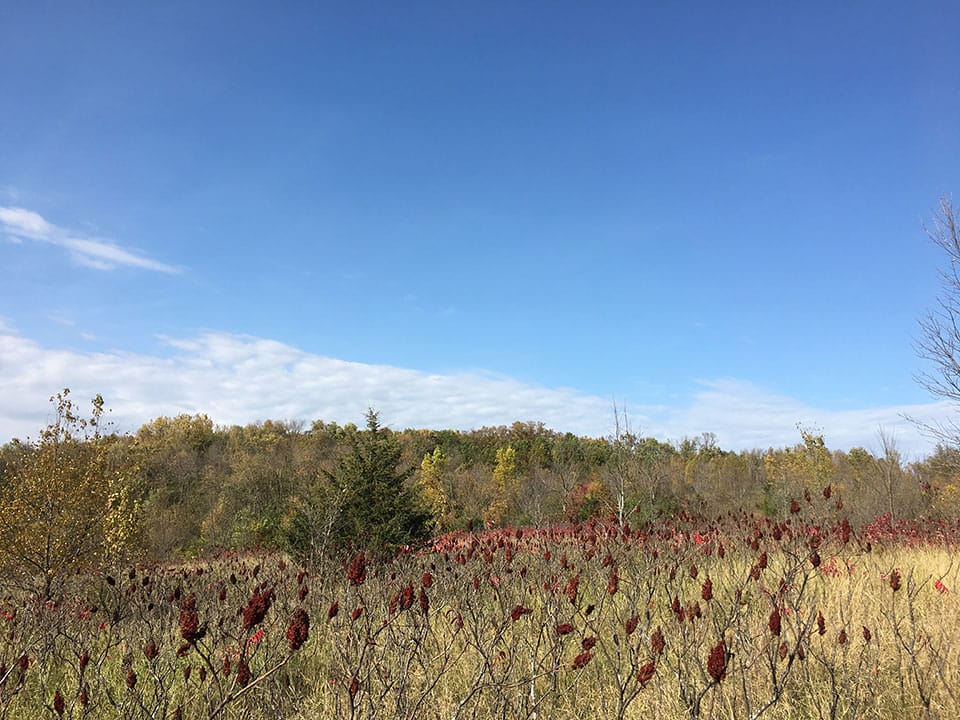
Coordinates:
(939, 340)
(431, 484)
(63, 503)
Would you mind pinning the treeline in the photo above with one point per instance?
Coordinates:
(188, 486)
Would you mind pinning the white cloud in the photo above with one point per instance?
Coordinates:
(744, 415)
(21, 224)
(241, 379)
(24, 223)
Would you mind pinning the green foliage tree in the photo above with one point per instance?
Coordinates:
(178, 462)
(248, 511)
(378, 509)
(64, 505)
(804, 469)
(939, 481)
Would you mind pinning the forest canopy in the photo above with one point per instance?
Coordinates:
(181, 486)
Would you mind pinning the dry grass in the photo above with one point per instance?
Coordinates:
(486, 634)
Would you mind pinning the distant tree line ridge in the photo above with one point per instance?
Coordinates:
(181, 486)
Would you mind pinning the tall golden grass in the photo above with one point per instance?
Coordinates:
(733, 618)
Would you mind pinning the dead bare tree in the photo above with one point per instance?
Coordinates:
(624, 443)
(939, 341)
(889, 471)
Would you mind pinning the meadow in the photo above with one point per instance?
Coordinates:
(729, 617)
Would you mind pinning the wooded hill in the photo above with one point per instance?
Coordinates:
(182, 485)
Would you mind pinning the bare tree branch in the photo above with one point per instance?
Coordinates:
(939, 341)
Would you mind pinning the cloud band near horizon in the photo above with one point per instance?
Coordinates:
(238, 379)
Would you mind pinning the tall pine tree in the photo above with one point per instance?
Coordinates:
(378, 509)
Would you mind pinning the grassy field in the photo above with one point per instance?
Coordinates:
(738, 617)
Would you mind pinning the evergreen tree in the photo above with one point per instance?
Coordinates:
(378, 509)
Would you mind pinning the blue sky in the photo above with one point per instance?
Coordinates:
(473, 213)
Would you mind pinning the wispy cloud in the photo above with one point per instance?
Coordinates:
(20, 224)
(241, 379)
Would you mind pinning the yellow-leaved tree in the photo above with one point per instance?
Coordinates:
(64, 505)
(431, 488)
(505, 486)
